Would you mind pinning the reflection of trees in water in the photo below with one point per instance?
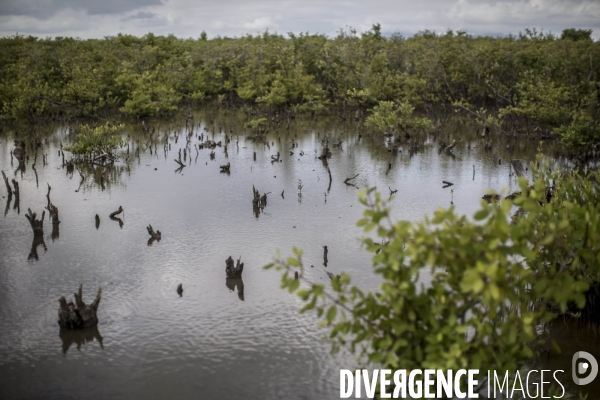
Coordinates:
(79, 337)
(99, 176)
(235, 283)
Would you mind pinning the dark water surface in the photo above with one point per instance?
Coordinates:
(221, 340)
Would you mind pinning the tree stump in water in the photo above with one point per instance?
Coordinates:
(78, 315)
(155, 235)
(231, 271)
(225, 168)
(37, 225)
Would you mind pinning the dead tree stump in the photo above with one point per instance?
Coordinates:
(155, 235)
(37, 225)
(231, 271)
(78, 315)
(225, 168)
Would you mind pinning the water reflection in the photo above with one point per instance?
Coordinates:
(119, 220)
(208, 217)
(79, 337)
(8, 200)
(234, 284)
(55, 232)
(38, 240)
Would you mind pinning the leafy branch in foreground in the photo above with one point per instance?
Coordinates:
(493, 283)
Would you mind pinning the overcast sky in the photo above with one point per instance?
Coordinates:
(188, 18)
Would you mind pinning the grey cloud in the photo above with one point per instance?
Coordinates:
(141, 15)
(43, 9)
(187, 18)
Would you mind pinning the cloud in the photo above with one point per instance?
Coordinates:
(188, 18)
(43, 9)
(261, 23)
(551, 14)
(141, 15)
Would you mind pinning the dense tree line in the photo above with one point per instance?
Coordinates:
(533, 80)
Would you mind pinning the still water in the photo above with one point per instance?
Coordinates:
(221, 339)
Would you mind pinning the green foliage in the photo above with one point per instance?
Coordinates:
(568, 111)
(493, 284)
(97, 141)
(535, 78)
(576, 34)
(392, 117)
(257, 123)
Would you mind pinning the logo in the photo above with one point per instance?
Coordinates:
(580, 368)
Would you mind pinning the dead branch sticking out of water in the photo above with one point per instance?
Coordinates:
(70, 166)
(119, 211)
(325, 153)
(449, 148)
(325, 260)
(97, 221)
(519, 170)
(37, 225)
(52, 209)
(115, 218)
(348, 183)
(180, 290)
(446, 184)
(178, 161)
(8, 188)
(78, 315)
(491, 197)
(231, 271)
(225, 168)
(16, 190)
(332, 276)
(155, 235)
